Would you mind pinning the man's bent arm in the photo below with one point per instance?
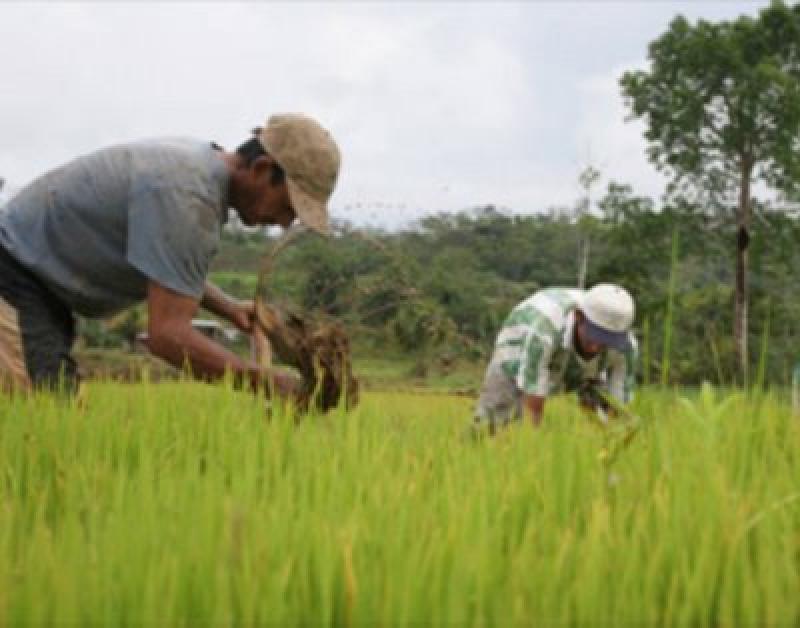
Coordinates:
(534, 407)
(172, 338)
(217, 302)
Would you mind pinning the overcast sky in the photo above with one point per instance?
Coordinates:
(436, 106)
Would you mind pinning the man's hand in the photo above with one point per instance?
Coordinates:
(593, 401)
(534, 407)
(286, 385)
(242, 315)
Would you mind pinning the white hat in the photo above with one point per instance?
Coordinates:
(609, 310)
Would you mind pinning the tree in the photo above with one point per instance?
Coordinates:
(721, 102)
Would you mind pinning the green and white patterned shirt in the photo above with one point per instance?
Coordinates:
(535, 347)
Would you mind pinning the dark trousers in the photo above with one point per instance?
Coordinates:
(46, 325)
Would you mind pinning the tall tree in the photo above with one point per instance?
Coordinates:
(721, 103)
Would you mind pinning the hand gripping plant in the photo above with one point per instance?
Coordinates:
(620, 431)
(319, 349)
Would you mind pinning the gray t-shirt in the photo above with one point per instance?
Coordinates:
(98, 228)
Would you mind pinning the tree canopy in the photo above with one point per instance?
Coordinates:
(721, 103)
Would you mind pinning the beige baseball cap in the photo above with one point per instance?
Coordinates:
(310, 158)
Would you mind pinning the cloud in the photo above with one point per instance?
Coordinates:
(608, 140)
(437, 106)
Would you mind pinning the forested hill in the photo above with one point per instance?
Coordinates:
(446, 284)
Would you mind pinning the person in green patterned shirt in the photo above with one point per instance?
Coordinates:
(559, 339)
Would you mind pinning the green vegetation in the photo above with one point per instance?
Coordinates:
(722, 106)
(178, 504)
(440, 289)
(239, 284)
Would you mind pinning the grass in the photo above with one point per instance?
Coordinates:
(180, 504)
(401, 373)
(391, 370)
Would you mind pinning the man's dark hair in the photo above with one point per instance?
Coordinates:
(251, 149)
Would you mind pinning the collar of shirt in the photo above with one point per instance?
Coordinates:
(222, 177)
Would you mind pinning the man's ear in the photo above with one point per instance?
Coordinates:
(261, 165)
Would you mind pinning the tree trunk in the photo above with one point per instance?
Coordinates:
(741, 296)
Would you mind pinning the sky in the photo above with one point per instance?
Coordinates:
(436, 106)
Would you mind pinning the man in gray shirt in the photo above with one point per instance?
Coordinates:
(142, 221)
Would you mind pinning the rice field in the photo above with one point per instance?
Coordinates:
(181, 504)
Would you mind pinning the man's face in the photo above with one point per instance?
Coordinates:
(260, 201)
(587, 347)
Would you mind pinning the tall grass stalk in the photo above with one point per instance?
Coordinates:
(668, 319)
(717, 362)
(646, 352)
(762, 358)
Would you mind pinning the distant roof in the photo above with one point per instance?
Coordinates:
(204, 324)
(207, 323)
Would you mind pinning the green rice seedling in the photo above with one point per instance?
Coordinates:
(180, 503)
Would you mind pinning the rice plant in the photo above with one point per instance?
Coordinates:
(182, 504)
